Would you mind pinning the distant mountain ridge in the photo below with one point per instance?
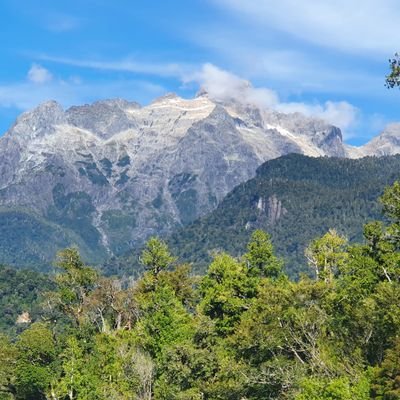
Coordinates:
(109, 174)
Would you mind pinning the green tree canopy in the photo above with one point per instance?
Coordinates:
(260, 256)
(327, 255)
(156, 256)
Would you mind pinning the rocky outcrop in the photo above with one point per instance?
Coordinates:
(23, 318)
(385, 144)
(275, 209)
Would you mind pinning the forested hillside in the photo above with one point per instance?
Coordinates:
(242, 331)
(21, 292)
(294, 198)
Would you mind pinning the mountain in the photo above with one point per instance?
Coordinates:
(296, 199)
(107, 175)
(387, 143)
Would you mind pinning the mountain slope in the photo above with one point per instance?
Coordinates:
(112, 173)
(29, 240)
(295, 198)
(385, 144)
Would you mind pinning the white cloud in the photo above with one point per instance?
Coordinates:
(341, 114)
(262, 54)
(224, 85)
(39, 74)
(369, 27)
(58, 23)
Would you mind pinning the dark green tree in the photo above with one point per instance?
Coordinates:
(156, 256)
(8, 357)
(226, 291)
(36, 354)
(260, 256)
(386, 381)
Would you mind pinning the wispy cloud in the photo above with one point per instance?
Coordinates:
(293, 68)
(370, 27)
(224, 85)
(339, 113)
(57, 22)
(176, 70)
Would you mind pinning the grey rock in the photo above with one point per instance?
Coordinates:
(387, 143)
(40, 121)
(104, 118)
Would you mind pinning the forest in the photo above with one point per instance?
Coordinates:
(243, 330)
(314, 195)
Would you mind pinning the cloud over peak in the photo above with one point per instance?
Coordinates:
(219, 83)
(226, 86)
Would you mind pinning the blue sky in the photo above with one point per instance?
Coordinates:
(324, 58)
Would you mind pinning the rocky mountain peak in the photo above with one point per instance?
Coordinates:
(166, 97)
(392, 130)
(202, 92)
(50, 108)
(220, 113)
(103, 118)
(386, 143)
(119, 103)
(39, 121)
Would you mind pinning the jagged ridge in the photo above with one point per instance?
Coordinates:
(114, 172)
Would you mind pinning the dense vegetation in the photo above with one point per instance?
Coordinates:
(28, 240)
(295, 198)
(20, 292)
(314, 195)
(242, 331)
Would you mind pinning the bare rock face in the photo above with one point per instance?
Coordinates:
(39, 122)
(114, 173)
(275, 209)
(270, 209)
(23, 318)
(103, 118)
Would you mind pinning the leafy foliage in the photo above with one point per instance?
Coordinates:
(156, 256)
(393, 78)
(20, 291)
(244, 330)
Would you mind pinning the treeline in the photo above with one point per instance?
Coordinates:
(242, 331)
